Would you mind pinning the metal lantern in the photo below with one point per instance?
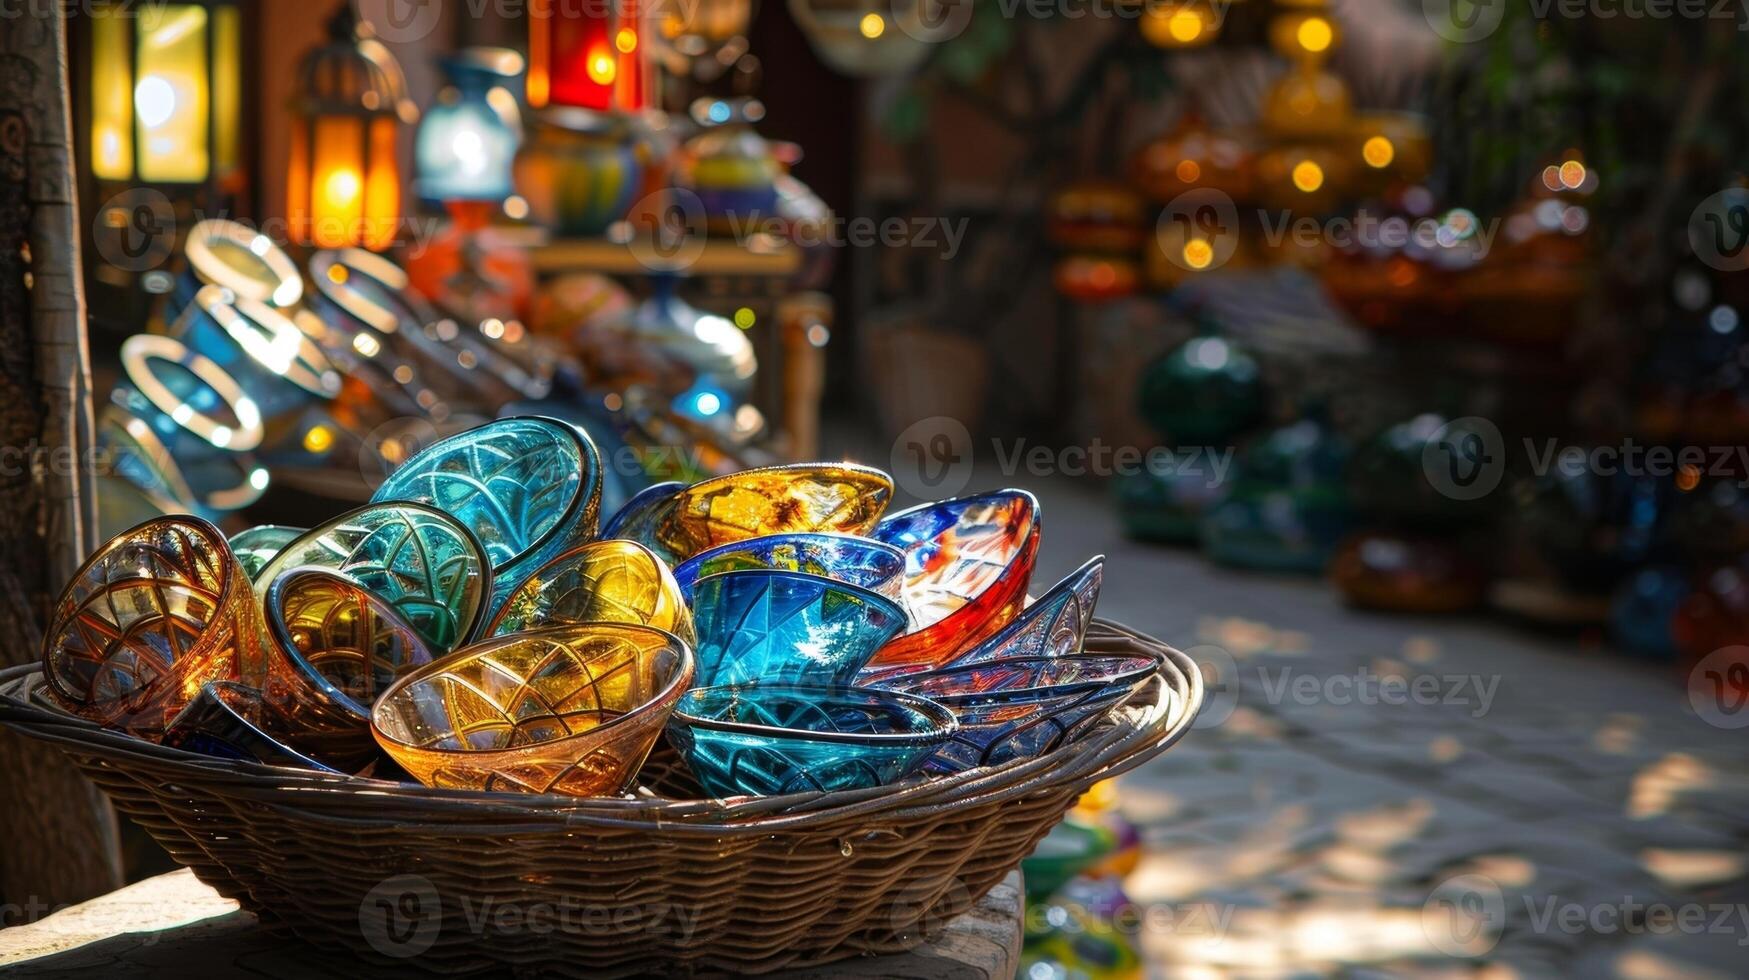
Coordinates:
(344, 179)
(589, 54)
(166, 93)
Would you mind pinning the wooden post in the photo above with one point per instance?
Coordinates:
(60, 832)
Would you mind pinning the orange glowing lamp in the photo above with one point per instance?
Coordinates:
(589, 54)
(344, 180)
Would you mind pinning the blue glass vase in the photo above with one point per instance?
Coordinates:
(467, 142)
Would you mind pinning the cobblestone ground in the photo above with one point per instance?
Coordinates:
(1450, 797)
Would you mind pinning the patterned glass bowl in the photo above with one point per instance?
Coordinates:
(605, 582)
(156, 613)
(419, 560)
(1023, 707)
(643, 514)
(571, 710)
(1053, 626)
(771, 740)
(529, 487)
(257, 546)
(968, 562)
(773, 627)
(336, 647)
(862, 562)
(841, 497)
(229, 720)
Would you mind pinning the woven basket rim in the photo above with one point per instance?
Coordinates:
(1149, 723)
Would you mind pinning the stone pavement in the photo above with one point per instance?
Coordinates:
(1382, 796)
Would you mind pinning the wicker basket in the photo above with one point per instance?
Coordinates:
(602, 887)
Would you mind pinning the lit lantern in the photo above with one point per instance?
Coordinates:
(589, 54)
(166, 87)
(467, 141)
(344, 179)
(1190, 24)
(1305, 36)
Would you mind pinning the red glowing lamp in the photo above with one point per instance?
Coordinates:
(590, 54)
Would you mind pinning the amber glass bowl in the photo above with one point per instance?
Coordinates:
(841, 497)
(570, 710)
(335, 646)
(154, 615)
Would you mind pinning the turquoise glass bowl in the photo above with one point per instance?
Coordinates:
(862, 562)
(257, 546)
(528, 487)
(772, 740)
(776, 627)
(426, 566)
(1023, 707)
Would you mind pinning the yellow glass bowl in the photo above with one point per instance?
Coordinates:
(841, 497)
(154, 615)
(572, 710)
(616, 581)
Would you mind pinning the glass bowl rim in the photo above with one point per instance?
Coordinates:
(1145, 665)
(862, 541)
(945, 723)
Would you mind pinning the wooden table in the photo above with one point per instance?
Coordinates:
(176, 928)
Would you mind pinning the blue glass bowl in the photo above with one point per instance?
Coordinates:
(528, 487)
(1023, 707)
(776, 627)
(767, 741)
(643, 514)
(862, 562)
(229, 720)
